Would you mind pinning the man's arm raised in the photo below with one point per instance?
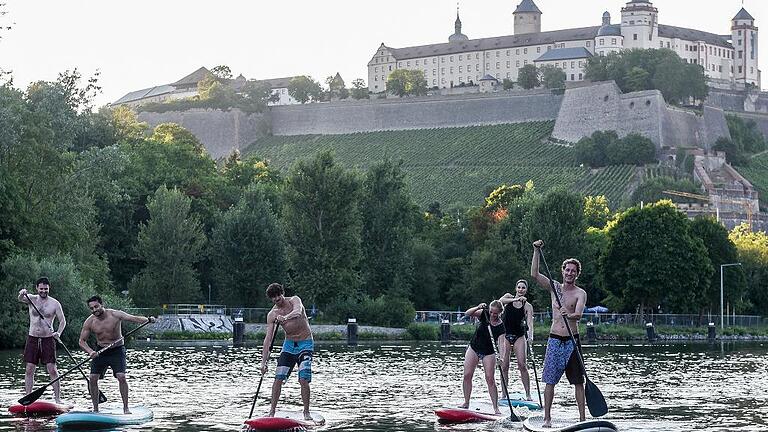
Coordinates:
(540, 279)
(24, 296)
(125, 316)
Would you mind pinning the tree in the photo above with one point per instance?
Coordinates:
(637, 79)
(388, 225)
(507, 84)
(733, 153)
(633, 149)
(720, 250)
(359, 89)
(304, 89)
(593, 150)
(651, 190)
(222, 73)
(337, 89)
(552, 77)
(248, 250)
(528, 77)
(170, 244)
(173, 133)
(673, 276)
(753, 255)
(406, 82)
(596, 211)
(322, 222)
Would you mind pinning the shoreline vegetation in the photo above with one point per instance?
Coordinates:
(431, 332)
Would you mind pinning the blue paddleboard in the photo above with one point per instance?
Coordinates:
(107, 417)
(518, 400)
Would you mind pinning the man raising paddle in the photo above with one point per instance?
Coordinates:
(41, 339)
(561, 356)
(297, 348)
(106, 325)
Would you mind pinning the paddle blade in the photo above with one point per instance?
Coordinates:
(595, 400)
(102, 398)
(35, 395)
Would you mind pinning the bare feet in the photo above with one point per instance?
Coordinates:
(547, 423)
(465, 405)
(126, 410)
(271, 414)
(308, 416)
(528, 397)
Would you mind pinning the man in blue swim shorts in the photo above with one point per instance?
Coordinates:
(298, 346)
(561, 356)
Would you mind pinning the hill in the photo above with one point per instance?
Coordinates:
(459, 166)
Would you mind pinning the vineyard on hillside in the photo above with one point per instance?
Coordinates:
(757, 174)
(457, 167)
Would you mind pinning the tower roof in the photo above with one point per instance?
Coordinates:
(527, 6)
(743, 15)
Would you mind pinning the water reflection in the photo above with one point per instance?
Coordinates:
(396, 386)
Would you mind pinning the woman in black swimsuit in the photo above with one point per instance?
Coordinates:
(481, 349)
(518, 315)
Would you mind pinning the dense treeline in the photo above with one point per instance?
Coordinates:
(100, 204)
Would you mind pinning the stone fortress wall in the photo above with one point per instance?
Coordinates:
(581, 111)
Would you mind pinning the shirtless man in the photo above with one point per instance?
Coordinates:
(106, 326)
(41, 339)
(297, 348)
(561, 356)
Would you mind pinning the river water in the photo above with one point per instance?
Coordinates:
(395, 386)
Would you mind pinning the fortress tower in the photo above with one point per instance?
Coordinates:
(609, 38)
(640, 24)
(457, 36)
(527, 18)
(744, 40)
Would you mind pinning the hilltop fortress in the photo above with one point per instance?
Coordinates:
(727, 60)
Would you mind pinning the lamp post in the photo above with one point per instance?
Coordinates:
(721, 291)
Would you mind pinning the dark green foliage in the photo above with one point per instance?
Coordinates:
(606, 148)
(733, 154)
(423, 331)
(170, 243)
(752, 247)
(746, 139)
(720, 250)
(322, 222)
(528, 77)
(248, 250)
(552, 77)
(304, 89)
(359, 89)
(653, 259)
(593, 150)
(507, 84)
(651, 190)
(389, 221)
(660, 69)
(407, 82)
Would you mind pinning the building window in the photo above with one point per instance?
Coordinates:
(487, 66)
(442, 59)
(451, 59)
(434, 82)
(390, 68)
(667, 44)
(525, 62)
(538, 49)
(460, 69)
(498, 53)
(589, 44)
(580, 77)
(602, 42)
(573, 64)
(400, 64)
(417, 62)
(507, 53)
(497, 65)
(739, 69)
(661, 44)
(434, 72)
(442, 71)
(613, 41)
(408, 64)
(525, 50)
(459, 57)
(517, 51)
(572, 77)
(376, 69)
(507, 64)
(739, 42)
(740, 53)
(634, 36)
(450, 70)
(517, 64)
(376, 78)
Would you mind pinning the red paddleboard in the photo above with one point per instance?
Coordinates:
(477, 411)
(285, 420)
(39, 408)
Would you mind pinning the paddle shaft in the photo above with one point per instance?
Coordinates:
(258, 388)
(595, 399)
(102, 398)
(512, 416)
(533, 362)
(28, 399)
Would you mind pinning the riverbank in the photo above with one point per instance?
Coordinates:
(431, 332)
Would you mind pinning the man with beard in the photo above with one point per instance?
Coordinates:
(561, 356)
(106, 326)
(297, 348)
(41, 339)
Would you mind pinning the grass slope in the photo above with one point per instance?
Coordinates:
(458, 166)
(757, 174)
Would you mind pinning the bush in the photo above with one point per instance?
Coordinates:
(423, 331)
(387, 311)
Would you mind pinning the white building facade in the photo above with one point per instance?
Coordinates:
(732, 58)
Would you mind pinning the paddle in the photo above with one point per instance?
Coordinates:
(35, 395)
(595, 400)
(102, 398)
(512, 416)
(271, 344)
(533, 361)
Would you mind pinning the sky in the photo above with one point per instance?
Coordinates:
(138, 44)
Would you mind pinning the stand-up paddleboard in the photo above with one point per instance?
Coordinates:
(519, 400)
(39, 408)
(477, 412)
(285, 420)
(105, 418)
(536, 424)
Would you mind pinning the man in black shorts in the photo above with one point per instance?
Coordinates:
(106, 325)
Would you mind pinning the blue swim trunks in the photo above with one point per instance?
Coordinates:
(296, 353)
(561, 358)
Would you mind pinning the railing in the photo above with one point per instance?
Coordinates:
(690, 320)
(248, 314)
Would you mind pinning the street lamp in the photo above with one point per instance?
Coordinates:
(721, 290)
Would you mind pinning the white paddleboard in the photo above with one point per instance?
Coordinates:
(536, 424)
